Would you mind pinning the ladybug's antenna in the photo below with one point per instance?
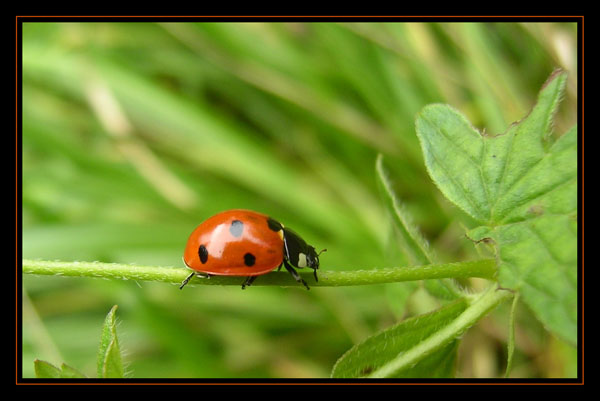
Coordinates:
(315, 270)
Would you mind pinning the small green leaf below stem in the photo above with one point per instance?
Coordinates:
(522, 187)
(45, 370)
(422, 346)
(109, 363)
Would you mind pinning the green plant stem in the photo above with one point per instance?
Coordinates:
(479, 306)
(484, 268)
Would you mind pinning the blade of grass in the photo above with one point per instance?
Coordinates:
(116, 124)
(202, 138)
(345, 118)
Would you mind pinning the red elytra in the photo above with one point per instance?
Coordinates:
(235, 243)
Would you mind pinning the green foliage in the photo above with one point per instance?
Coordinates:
(410, 240)
(522, 186)
(423, 346)
(479, 173)
(109, 363)
(370, 355)
(45, 370)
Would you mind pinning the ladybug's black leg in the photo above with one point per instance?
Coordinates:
(295, 274)
(315, 272)
(248, 281)
(188, 278)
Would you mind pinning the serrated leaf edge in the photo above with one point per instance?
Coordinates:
(480, 216)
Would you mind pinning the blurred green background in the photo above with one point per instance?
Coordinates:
(133, 133)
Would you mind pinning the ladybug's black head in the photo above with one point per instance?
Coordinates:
(298, 253)
(312, 259)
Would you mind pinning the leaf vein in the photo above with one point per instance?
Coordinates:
(529, 171)
(451, 178)
(563, 265)
(525, 273)
(504, 168)
(548, 191)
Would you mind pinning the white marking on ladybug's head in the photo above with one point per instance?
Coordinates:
(301, 260)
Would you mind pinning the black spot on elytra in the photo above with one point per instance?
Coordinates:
(274, 224)
(203, 253)
(236, 228)
(249, 259)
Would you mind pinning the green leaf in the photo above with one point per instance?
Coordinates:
(373, 353)
(452, 149)
(422, 346)
(69, 372)
(415, 246)
(511, 335)
(522, 187)
(45, 370)
(410, 240)
(109, 363)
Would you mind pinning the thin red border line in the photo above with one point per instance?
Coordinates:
(582, 204)
(582, 208)
(314, 383)
(300, 16)
(374, 383)
(582, 223)
(17, 196)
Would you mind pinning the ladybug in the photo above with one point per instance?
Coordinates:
(245, 243)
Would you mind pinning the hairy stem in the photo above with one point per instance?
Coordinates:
(485, 268)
